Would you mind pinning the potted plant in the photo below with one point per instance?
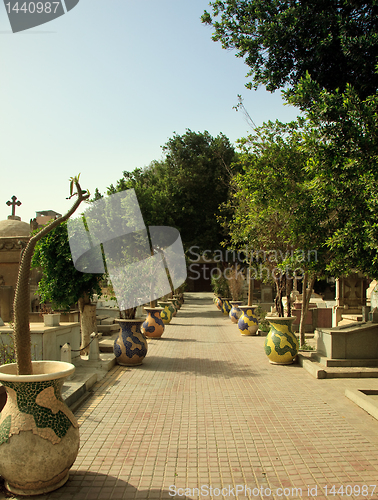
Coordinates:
(39, 435)
(130, 347)
(62, 285)
(49, 317)
(281, 344)
(220, 288)
(248, 323)
(235, 285)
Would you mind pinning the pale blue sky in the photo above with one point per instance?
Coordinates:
(102, 88)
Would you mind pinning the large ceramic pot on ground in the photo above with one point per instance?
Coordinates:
(173, 306)
(226, 306)
(281, 345)
(235, 312)
(166, 312)
(248, 323)
(153, 326)
(130, 348)
(219, 303)
(39, 435)
(178, 301)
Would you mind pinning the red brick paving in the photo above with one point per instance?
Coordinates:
(207, 410)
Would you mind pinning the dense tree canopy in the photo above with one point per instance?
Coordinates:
(344, 174)
(335, 41)
(61, 284)
(272, 208)
(186, 187)
(325, 53)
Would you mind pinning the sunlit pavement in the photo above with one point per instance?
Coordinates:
(207, 416)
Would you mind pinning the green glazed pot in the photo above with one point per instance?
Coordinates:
(39, 435)
(166, 314)
(281, 345)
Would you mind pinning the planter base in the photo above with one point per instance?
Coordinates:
(36, 491)
(286, 363)
(281, 345)
(130, 348)
(130, 365)
(39, 435)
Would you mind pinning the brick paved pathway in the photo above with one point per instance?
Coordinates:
(207, 410)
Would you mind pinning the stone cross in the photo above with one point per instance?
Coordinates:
(14, 203)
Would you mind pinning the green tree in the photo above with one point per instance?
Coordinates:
(272, 211)
(185, 189)
(344, 174)
(62, 285)
(335, 41)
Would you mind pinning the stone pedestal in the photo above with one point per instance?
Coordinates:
(350, 297)
(355, 345)
(48, 341)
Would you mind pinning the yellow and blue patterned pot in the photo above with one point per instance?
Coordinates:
(281, 345)
(173, 306)
(226, 306)
(248, 323)
(153, 326)
(166, 313)
(219, 303)
(39, 435)
(130, 348)
(178, 301)
(235, 312)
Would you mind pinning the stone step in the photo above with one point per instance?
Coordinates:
(107, 329)
(106, 344)
(347, 319)
(318, 370)
(100, 318)
(107, 321)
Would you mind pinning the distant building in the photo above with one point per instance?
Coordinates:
(42, 218)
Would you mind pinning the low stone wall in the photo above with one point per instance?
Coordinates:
(47, 341)
(355, 341)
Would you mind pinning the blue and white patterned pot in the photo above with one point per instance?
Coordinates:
(130, 348)
(226, 306)
(235, 312)
(153, 326)
(248, 323)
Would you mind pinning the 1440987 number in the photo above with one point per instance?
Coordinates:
(33, 7)
(349, 490)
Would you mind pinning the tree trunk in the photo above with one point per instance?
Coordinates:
(128, 313)
(21, 304)
(250, 290)
(280, 283)
(88, 323)
(289, 288)
(306, 296)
